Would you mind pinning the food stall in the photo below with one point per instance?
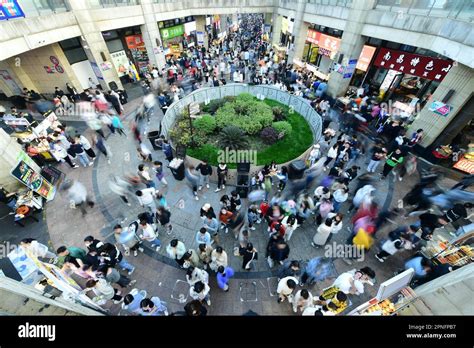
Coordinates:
(455, 252)
(393, 295)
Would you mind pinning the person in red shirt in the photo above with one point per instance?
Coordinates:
(225, 217)
(263, 209)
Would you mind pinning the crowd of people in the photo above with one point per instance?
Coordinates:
(337, 190)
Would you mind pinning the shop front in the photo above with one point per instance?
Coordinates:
(178, 35)
(320, 50)
(407, 80)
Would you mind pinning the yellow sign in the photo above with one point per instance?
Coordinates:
(284, 25)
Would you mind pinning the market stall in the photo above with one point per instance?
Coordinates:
(393, 295)
(455, 252)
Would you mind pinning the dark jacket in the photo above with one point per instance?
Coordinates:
(204, 169)
(279, 254)
(456, 213)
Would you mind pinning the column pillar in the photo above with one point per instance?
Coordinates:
(151, 35)
(351, 44)
(93, 43)
(201, 26)
(276, 28)
(299, 31)
(460, 78)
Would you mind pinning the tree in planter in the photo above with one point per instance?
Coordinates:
(269, 135)
(233, 138)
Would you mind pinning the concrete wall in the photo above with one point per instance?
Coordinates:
(449, 37)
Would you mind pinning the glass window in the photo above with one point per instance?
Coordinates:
(114, 45)
(75, 55)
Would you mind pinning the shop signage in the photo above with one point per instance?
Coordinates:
(324, 52)
(106, 66)
(349, 69)
(13, 121)
(169, 33)
(10, 9)
(365, 57)
(31, 179)
(388, 79)
(440, 108)
(267, 28)
(330, 43)
(313, 36)
(414, 64)
(465, 165)
(200, 37)
(121, 62)
(134, 41)
(97, 71)
(55, 67)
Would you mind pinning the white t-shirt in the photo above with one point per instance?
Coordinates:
(343, 282)
(148, 232)
(148, 196)
(283, 287)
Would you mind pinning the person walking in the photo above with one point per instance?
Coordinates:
(146, 197)
(163, 216)
(148, 234)
(249, 254)
(223, 276)
(87, 146)
(176, 250)
(222, 171)
(159, 174)
(118, 126)
(205, 171)
(120, 187)
(193, 179)
(393, 160)
(78, 196)
(153, 307)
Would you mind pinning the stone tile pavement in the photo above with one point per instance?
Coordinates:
(158, 275)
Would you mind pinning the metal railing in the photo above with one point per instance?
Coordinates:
(300, 105)
(462, 10)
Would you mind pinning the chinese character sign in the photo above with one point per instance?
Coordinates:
(365, 57)
(313, 36)
(330, 43)
(414, 64)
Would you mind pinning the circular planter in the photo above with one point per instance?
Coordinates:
(299, 104)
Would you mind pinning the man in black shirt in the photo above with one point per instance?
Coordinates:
(429, 222)
(205, 171)
(8, 198)
(457, 212)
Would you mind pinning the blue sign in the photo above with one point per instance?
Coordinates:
(10, 9)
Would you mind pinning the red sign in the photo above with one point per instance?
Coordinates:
(134, 41)
(426, 67)
(313, 36)
(330, 43)
(365, 57)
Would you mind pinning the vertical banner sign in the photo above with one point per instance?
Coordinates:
(200, 37)
(349, 70)
(10, 9)
(97, 71)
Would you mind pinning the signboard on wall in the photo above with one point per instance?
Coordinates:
(137, 47)
(313, 36)
(32, 179)
(465, 165)
(349, 69)
(8, 80)
(330, 43)
(121, 62)
(200, 37)
(440, 108)
(284, 25)
(414, 64)
(10, 9)
(171, 32)
(365, 57)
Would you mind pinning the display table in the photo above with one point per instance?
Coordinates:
(27, 205)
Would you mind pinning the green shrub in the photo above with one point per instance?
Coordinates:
(229, 98)
(282, 127)
(249, 114)
(232, 137)
(269, 135)
(213, 105)
(246, 97)
(180, 134)
(278, 114)
(205, 124)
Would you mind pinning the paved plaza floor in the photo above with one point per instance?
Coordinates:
(159, 275)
